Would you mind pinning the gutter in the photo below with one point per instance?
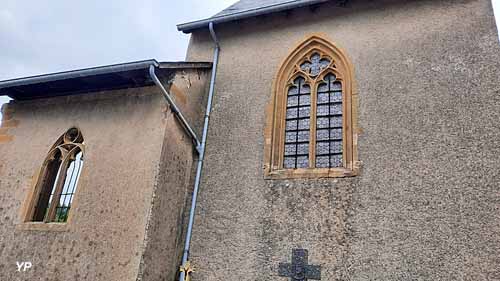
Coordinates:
(186, 268)
(190, 26)
(174, 108)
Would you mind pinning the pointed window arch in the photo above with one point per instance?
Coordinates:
(311, 117)
(58, 179)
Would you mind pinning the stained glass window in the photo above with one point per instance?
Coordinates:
(297, 128)
(312, 130)
(328, 146)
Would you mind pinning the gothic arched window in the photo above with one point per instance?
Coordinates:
(310, 129)
(58, 179)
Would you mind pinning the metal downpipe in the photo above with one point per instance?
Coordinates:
(185, 267)
(174, 108)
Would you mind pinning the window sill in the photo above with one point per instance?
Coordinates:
(308, 173)
(42, 226)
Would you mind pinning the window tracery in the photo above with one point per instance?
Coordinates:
(310, 133)
(57, 183)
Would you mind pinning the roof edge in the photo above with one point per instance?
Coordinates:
(77, 73)
(185, 64)
(191, 26)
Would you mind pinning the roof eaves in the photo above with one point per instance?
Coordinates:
(102, 78)
(78, 73)
(190, 26)
(184, 65)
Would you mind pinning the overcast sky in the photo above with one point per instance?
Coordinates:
(46, 36)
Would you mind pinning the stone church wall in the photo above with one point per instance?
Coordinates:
(425, 204)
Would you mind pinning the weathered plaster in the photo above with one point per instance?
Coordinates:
(126, 218)
(123, 143)
(425, 203)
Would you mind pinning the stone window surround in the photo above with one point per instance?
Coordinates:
(28, 206)
(276, 110)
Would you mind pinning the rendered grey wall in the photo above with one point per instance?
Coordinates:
(164, 240)
(106, 227)
(426, 203)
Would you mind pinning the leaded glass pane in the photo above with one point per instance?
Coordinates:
(322, 122)
(336, 134)
(330, 78)
(305, 66)
(324, 63)
(323, 110)
(304, 124)
(335, 121)
(299, 82)
(290, 149)
(293, 91)
(323, 87)
(303, 136)
(305, 100)
(336, 161)
(291, 113)
(290, 137)
(293, 101)
(335, 109)
(289, 162)
(323, 98)
(315, 57)
(302, 162)
(304, 111)
(323, 135)
(322, 148)
(336, 97)
(329, 123)
(305, 89)
(303, 149)
(336, 86)
(336, 147)
(322, 161)
(291, 125)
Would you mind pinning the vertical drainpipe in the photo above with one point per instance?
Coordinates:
(185, 267)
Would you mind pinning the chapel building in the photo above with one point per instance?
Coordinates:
(299, 140)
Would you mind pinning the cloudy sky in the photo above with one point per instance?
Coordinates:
(55, 35)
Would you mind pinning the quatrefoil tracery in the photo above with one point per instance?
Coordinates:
(314, 64)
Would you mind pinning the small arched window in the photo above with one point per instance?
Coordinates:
(310, 129)
(58, 179)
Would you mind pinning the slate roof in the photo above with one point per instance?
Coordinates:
(247, 8)
(246, 5)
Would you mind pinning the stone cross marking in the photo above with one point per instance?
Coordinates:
(299, 269)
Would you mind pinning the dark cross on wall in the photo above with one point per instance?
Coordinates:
(299, 269)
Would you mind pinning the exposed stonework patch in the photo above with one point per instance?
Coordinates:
(7, 123)
(5, 138)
